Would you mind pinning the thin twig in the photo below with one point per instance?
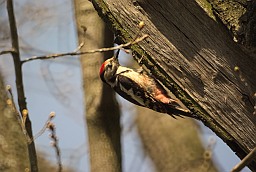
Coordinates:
(6, 52)
(247, 159)
(51, 116)
(83, 42)
(50, 56)
(55, 144)
(79, 47)
(11, 103)
(19, 84)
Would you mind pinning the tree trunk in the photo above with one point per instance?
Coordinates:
(194, 57)
(102, 112)
(240, 18)
(13, 147)
(173, 145)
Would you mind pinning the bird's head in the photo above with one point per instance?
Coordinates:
(109, 68)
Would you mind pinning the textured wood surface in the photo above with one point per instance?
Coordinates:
(193, 56)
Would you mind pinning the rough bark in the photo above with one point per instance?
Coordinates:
(173, 145)
(239, 16)
(194, 57)
(102, 111)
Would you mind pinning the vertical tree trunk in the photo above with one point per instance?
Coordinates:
(102, 112)
(173, 145)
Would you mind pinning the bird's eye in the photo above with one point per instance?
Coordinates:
(110, 65)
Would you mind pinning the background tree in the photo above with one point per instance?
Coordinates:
(13, 151)
(14, 156)
(57, 87)
(102, 111)
(173, 145)
(13, 147)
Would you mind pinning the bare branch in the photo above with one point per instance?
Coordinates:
(11, 103)
(51, 116)
(82, 43)
(55, 144)
(50, 56)
(19, 84)
(79, 47)
(247, 159)
(6, 51)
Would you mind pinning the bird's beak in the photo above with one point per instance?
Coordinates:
(117, 54)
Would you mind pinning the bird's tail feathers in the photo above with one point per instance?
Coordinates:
(175, 110)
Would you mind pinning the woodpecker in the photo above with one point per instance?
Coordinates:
(139, 88)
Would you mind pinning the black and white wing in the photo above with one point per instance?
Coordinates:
(135, 93)
(141, 95)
